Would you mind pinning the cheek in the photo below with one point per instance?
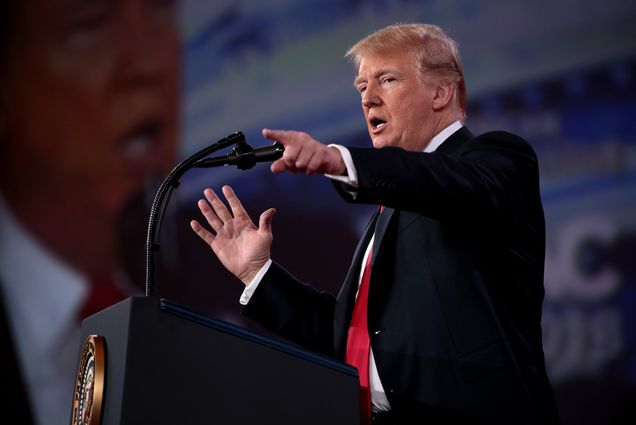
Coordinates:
(405, 118)
(55, 124)
(416, 111)
(415, 122)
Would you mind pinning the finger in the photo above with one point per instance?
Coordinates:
(290, 155)
(265, 221)
(327, 161)
(237, 207)
(219, 207)
(316, 165)
(280, 136)
(278, 166)
(304, 157)
(204, 234)
(213, 220)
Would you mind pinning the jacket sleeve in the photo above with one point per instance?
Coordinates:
(491, 178)
(293, 310)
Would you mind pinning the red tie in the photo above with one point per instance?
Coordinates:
(358, 343)
(103, 293)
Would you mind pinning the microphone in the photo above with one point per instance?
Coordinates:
(244, 156)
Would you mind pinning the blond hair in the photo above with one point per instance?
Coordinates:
(436, 53)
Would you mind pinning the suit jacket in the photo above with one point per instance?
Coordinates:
(456, 286)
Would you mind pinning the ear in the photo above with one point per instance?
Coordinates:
(444, 94)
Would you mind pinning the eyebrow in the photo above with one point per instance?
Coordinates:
(71, 5)
(378, 74)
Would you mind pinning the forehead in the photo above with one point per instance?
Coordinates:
(372, 66)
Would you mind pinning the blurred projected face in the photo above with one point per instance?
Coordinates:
(90, 94)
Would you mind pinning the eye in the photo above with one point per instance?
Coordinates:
(386, 80)
(362, 88)
(86, 23)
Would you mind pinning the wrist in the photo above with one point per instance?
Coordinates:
(339, 166)
(252, 272)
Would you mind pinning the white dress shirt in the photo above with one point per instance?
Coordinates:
(379, 400)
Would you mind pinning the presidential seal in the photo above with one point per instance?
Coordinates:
(89, 384)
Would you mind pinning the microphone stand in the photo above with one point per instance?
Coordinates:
(245, 155)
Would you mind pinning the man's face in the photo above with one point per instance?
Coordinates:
(90, 94)
(397, 105)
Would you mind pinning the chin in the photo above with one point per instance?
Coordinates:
(381, 142)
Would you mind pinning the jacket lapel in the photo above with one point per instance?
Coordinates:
(380, 230)
(348, 290)
(347, 295)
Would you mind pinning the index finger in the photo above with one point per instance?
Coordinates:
(281, 136)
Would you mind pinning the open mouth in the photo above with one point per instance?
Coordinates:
(377, 123)
(142, 140)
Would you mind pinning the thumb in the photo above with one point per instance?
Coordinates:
(265, 221)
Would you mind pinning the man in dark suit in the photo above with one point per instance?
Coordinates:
(441, 308)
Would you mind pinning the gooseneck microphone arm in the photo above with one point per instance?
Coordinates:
(243, 156)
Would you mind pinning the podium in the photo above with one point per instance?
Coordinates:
(162, 363)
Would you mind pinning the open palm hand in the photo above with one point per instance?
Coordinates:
(241, 247)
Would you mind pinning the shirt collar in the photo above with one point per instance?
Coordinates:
(42, 293)
(442, 136)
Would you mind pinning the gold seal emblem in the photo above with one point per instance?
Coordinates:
(89, 384)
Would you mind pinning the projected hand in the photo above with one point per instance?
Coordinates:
(241, 247)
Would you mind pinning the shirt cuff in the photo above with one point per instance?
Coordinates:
(251, 287)
(351, 178)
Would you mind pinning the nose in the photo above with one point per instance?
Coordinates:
(370, 97)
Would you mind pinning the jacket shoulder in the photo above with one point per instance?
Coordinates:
(500, 139)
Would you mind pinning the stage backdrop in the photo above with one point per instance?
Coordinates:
(560, 73)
